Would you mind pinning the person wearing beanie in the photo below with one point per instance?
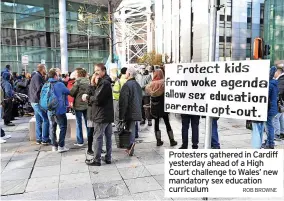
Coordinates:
(119, 82)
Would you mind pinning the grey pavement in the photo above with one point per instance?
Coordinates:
(33, 172)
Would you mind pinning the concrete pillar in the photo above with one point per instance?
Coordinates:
(63, 36)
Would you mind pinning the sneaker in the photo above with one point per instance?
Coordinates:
(92, 162)
(282, 136)
(90, 152)
(79, 145)
(183, 147)
(54, 149)
(6, 137)
(277, 138)
(45, 143)
(38, 142)
(269, 147)
(62, 149)
(2, 140)
(106, 161)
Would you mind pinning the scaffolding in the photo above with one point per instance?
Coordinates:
(133, 30)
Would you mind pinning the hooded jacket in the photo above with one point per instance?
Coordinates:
(143, 81)
(61, 92)
(36, 84)
(6, 85)
(101, 102)
(79, 88)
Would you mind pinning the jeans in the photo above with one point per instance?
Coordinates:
(194, 127)
(278, 124)
(215, 136)
(52, 128)
(136, 130)
(131, 126)
(42, 124)
(100, 130)
(145, 101)
(62, 123)
(7, 111)
(167, 123)
(257, 134)
(270, 130)
(79, 129)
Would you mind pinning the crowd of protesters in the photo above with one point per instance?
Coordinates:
(134, 97)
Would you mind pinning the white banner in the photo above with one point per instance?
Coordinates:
(231, 89)
(25, 59)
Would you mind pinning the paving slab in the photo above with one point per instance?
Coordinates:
(19, 155)
(16, 174)
(13, 187)
(152, 195)
(40, 184)
(73, 180)
(157, 169)
(82, 192)
(134, 172)
(160, 179)
(103, 167)
(125, 197)
(110, 189)
(40, 195)
(74, 168)
(105, 176)
(46, 171)
(25, 163)
(128, 162)
(144, 184)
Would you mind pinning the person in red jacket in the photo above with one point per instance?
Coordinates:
(70, 84)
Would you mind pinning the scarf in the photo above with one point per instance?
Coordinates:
(157, 86)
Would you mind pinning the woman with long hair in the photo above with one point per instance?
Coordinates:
(156, 90)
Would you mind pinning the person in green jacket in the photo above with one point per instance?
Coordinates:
(79, 88)
(116, 91)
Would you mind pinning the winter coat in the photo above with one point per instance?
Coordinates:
(118, 86)
(143, 80)
(6, 70)
(36, 84)
(61, 92)
(6, 85)
(273, 97)
(157, 106)
(100, 99)
(130, 101)
(23, 86)
(79, 88)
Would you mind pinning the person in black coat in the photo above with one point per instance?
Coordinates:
(102, 114)
(130, 103)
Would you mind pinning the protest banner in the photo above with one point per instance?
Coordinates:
(231, 89)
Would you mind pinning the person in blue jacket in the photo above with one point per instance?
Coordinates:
(7, 69)
(61, 92)
(257, 126)
(8, 96)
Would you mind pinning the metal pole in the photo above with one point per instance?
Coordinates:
(63, 36)
(16, 37)
(110, 17)
(212, 47)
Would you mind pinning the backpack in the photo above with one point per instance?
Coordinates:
(48, 101)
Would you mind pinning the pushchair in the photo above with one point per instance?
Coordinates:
(24, 106)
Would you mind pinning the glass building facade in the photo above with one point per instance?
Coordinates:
(274, 29)
(31, 27)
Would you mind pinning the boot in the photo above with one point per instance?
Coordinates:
(158, 137)
(172, 140)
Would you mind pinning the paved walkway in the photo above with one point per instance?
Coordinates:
(33, 172)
